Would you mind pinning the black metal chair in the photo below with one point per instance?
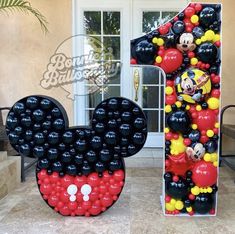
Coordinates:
(26, 163)
(228, 130)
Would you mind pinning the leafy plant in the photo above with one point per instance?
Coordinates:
(25, 7)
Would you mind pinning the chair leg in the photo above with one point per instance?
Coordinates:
(22, 169)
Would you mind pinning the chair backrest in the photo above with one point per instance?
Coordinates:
(1, 116)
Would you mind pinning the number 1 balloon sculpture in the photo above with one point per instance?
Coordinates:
(80, 170)
(187, 49)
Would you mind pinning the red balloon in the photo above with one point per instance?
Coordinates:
(189, 11)
(178, 164)
(42, 174)
(54, 177)
(64, 197)
(80, 210)
(119, 175)
(204, 174)
(93, 179)
(106, 200)
(73, 205)
(80, 181)
(94, 196)
(67, 180)
(106, 176)
(205, 120)
(163, 29)
(170, 99)
(115, 189)
(215, 93)
(65, 210)
(45, 189)
(95, 210)
(172, 60)
(86, 205)
(53, 200)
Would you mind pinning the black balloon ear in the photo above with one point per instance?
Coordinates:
(29, 121)
(122, 124)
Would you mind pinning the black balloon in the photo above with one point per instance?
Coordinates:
(169, 39)
(211, 146)
(179, 121)
(207, 52)
(207, 16)
(203, 203)
(177, 190)
(198, 32)
(178, 27)
(145, 52)
(194, 135)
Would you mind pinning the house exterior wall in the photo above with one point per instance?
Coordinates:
(25, 53)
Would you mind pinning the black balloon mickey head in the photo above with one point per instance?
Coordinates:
(80, 170)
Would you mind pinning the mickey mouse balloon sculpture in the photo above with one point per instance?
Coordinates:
(187, 49)
(80, 170)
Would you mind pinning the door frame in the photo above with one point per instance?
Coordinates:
(79, 6)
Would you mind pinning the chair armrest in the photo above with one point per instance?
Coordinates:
(222, 112)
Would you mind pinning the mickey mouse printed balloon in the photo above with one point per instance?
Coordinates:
(187, 49)
(80, 170)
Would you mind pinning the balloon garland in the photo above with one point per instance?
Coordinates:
(80, 170)
(187, 49)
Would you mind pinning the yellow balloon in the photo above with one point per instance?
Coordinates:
(209, 190)
(204, 38)
(178, 104)
(177, 146)
(198, 108)
(189, 209)
(170, 207)
(169, 90)
(195, 190)
(207, 157)
(194, 126)
(198, 41)
(194, 61)
(194, 19)
(216, 38)
(209, 35)
(179, 205)
(158, 59)
(214, 157)
(160, 42)
(168, 108)
(166, 130)
(213, 103)
(209, 133)
(155, 40)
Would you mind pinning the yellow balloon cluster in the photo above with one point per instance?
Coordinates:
(174, 205)
(213, 103)
(177, 146)
(158, 41)
(197, 190)
(213, 157)
(208, 36)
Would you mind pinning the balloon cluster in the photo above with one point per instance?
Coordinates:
(80, 170)
(187, 49)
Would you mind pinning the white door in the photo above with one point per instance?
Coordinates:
(115, 23)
